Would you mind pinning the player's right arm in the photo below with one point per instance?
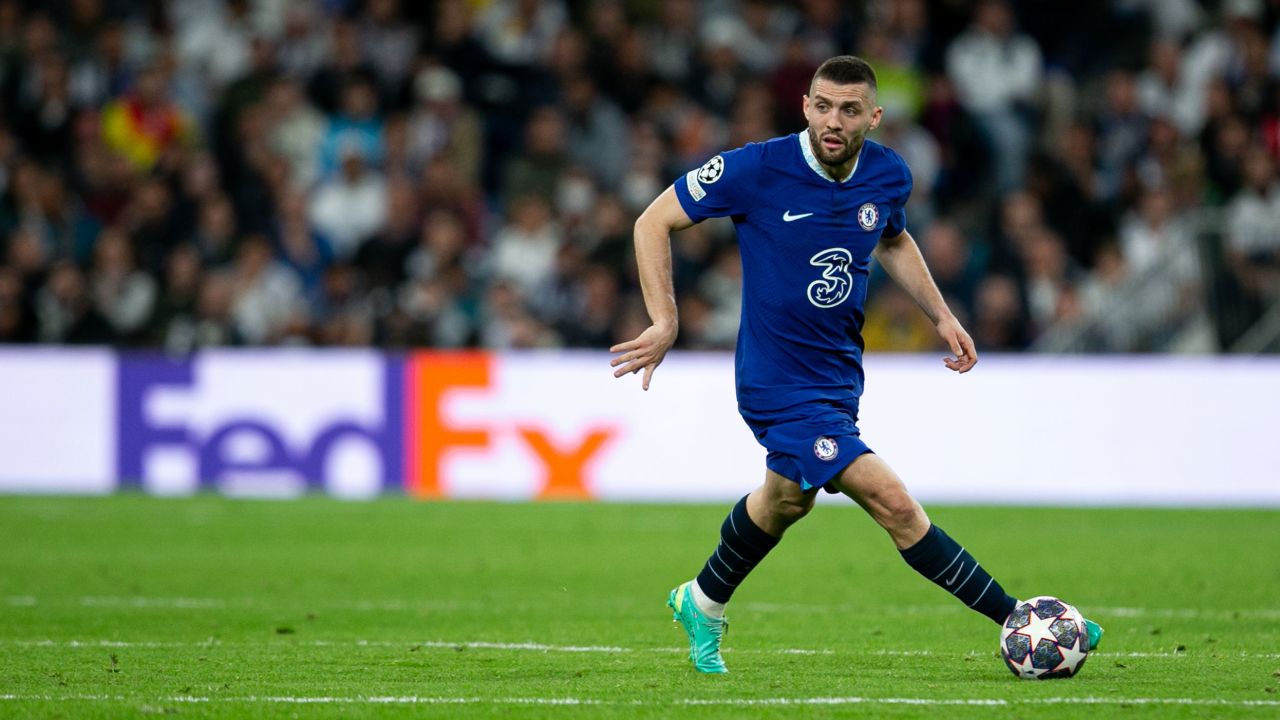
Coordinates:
(653, 258)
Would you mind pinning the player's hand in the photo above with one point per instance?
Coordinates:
(953, 334)
(644, 353)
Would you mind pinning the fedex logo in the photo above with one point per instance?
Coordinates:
(353, 424)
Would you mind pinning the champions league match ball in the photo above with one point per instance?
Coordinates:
(1044, 638)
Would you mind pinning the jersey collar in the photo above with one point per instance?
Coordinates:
(807, 150)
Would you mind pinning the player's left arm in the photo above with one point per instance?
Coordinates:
(901, 258)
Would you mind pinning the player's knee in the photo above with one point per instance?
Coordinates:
(898, 511)
(788, 511)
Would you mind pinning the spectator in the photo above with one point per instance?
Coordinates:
(266, 297)
(597, 302)
(597, 134)
(1122, 130)
(1253, 227)
(17, 322)
(440, 308)
(346, 65)
(1155, 236)
(173, 323)
(303, 45)
(721, 285)
(956, 265)
(441, 247)
(390, 44)
(214, 37)
(144, 125)
(45, 120)
(1050, 279)
(149, 220)
(1160, 252)
(538, 168)
(722, 73)
(521, 32)
(214, 326)
(28, 260)
(672, 42)
(895, 324)
(999, 322)
(355, 129)
(1163, 91)
(216, 232)
(66, 312)
(298, 246)
(296, 129)
(122, 293)
(996, 73)
(508, 324)
(444, 188)
(381, 259)
(439, 124)
(524, 251)
(344, 313)
(348, 209)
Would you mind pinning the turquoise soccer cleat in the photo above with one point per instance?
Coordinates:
(704, 632)
(1095, 633)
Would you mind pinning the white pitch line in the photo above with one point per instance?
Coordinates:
(732, 702)
(1189, 613)
(104, 643)
(540, 647)
(181, 603)
(1103, 611)
(192, 603)
(608, 649)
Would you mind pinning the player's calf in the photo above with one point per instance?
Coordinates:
(948, 565)
(743, 544)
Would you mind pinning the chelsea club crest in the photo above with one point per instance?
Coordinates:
(826, 448)
(868, 216)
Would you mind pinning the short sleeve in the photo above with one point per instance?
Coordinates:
(722, 186)
(897, 221)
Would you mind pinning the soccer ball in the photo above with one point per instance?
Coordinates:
(1044, 638)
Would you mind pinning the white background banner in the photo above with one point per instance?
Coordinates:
(57, 420)
(1016, 430)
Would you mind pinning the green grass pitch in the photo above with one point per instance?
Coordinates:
(205, 607)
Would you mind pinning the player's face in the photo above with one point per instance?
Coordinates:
(840, 116)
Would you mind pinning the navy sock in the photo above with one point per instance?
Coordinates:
(742, 546)
(952, 568)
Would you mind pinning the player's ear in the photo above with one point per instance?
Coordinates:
(876, 115)
(804, 105)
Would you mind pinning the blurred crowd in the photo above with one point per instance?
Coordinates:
(465, 173)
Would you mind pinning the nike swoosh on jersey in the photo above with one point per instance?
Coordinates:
(788, 217)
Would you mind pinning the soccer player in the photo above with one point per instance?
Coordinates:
(810, 210)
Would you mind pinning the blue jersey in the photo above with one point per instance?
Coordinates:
(806, 241)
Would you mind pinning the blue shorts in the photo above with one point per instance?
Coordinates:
(810, 444)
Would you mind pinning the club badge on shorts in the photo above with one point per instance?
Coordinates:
(868, 216)
(826, 448)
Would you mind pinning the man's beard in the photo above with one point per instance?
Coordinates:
(837, 157)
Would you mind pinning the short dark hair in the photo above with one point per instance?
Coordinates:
(846, 70)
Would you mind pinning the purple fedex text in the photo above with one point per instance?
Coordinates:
(139, 376)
